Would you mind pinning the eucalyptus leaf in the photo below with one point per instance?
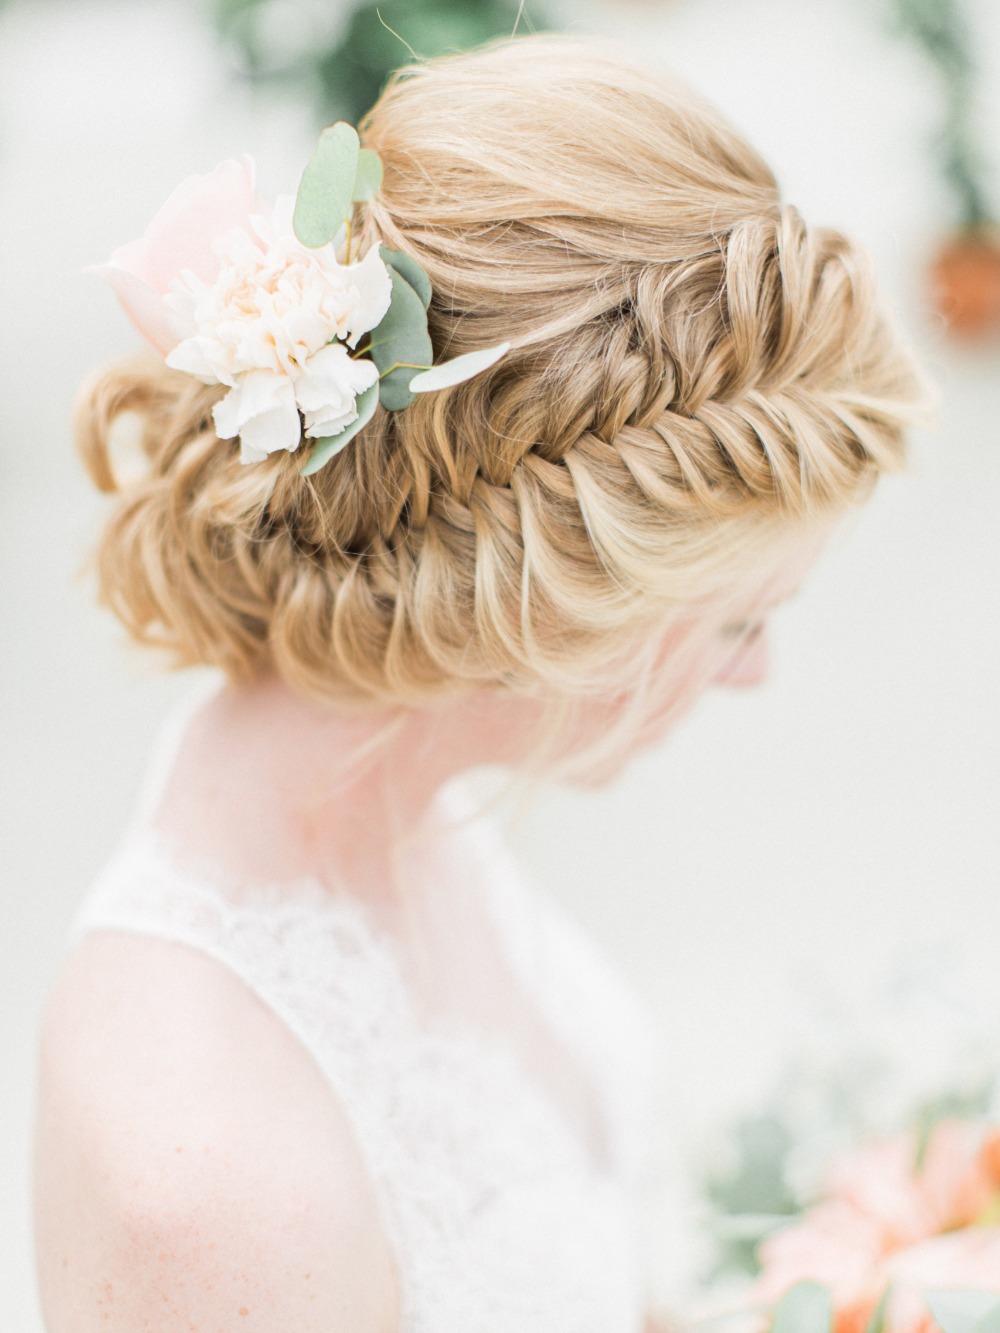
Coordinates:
(965, 1311)
(368, 180)
(400, 345)
(326, 191)
(407, 267)
(458, 370)
(805, 1308)
(331, 445)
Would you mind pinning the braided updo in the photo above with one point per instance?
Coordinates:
(694, 372)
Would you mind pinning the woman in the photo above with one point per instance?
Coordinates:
(316, 1061)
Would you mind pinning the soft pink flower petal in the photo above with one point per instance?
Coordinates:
(879, 1180)
(200, 210)
(969, 1258)
(180, 237)
(832, 1243)
(142, 304)
(907, 1312)
(953, 1179)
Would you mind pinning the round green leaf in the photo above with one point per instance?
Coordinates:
(805, 1308)
(458, 370)
(401, 345)
(368, 180)
(326, 191)
(326, 448)
(965, 1311)
(407, 267)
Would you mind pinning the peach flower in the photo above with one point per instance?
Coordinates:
(887, 1221)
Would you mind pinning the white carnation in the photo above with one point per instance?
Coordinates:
(272, 326)
(328, 387)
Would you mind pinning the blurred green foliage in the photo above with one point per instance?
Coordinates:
(753, 1184)
(941, 31)
(342, 55)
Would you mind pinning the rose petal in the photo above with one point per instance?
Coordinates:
(141, 303)
(180, 237)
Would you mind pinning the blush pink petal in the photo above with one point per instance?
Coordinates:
(832, 1243)
(969, 1258)
(878, 1179)
(953, 1178)
(142, 304)
(180, 238)
(201, 209)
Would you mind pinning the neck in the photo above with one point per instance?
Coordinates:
(270, 787)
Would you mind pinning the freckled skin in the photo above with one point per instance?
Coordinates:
(134, 1234)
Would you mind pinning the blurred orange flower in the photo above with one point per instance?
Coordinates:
(892, 1217)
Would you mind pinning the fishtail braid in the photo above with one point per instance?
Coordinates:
(694, 371)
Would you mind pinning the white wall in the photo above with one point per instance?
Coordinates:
(787, 843)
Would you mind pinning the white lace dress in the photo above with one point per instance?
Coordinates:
(499, 1218)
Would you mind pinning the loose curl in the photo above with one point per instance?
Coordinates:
(693, 372)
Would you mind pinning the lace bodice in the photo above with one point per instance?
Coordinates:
(500, 1220)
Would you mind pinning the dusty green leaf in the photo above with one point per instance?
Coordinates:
(401, 345)
(326, 191)
(458, 370)
(965, 1311)
(368, 180)
(805, 1308)
(330, 445)
(407, 267)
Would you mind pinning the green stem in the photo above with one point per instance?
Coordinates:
(402, 365)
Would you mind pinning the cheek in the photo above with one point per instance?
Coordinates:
(749, 665)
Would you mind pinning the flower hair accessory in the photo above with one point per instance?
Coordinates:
(272, 302)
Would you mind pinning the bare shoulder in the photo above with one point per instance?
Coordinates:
(192, 1166)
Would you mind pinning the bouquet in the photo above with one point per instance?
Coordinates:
(838, 1212)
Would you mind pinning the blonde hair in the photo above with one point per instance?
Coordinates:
(694, 372)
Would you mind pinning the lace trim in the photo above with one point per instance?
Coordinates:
(494, 1210)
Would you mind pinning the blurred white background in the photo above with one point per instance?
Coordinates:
(791, 847)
